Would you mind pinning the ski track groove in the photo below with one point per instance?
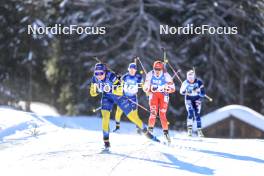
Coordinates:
(127, 155)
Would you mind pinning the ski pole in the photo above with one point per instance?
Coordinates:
(141, 106)
(135, 61)
(166, 62)
(175, 73)
(97, 109)
(209, 98)
(206, 96)
(98, 60)
(139, 60)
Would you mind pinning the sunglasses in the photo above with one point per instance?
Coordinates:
(157, 69)
(98, 73)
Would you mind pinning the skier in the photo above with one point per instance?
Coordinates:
(159, 85)
(106, 82)
(131, 82)
(193, 90)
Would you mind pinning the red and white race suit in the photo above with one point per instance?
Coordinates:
(159, 88)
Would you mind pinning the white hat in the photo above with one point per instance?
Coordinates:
(190, 75)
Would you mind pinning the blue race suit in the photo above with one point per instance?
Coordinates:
(194, 92)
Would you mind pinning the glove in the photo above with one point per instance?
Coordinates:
(201, 95)
(154, 88)
(93, 91)
(118, 91)
(169, 88)
(188, 91)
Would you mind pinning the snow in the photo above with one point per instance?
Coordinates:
(40, 108)
(71, 146)
(240, 112)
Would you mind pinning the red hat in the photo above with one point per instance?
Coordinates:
(158, 65)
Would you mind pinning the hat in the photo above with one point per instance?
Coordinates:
(132, 66)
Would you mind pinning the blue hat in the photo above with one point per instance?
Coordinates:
(132, 65)
(100, 67)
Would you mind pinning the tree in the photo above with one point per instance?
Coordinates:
(230, 65)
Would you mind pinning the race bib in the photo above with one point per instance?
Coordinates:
(166, 99)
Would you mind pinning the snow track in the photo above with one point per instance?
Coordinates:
(71, 146)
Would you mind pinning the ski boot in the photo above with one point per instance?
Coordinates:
(200, 133)
(149, 135)
(117, 127)
(167, 136)
(189, 131)
(150, 129)
(139, 131)
(106, 148)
